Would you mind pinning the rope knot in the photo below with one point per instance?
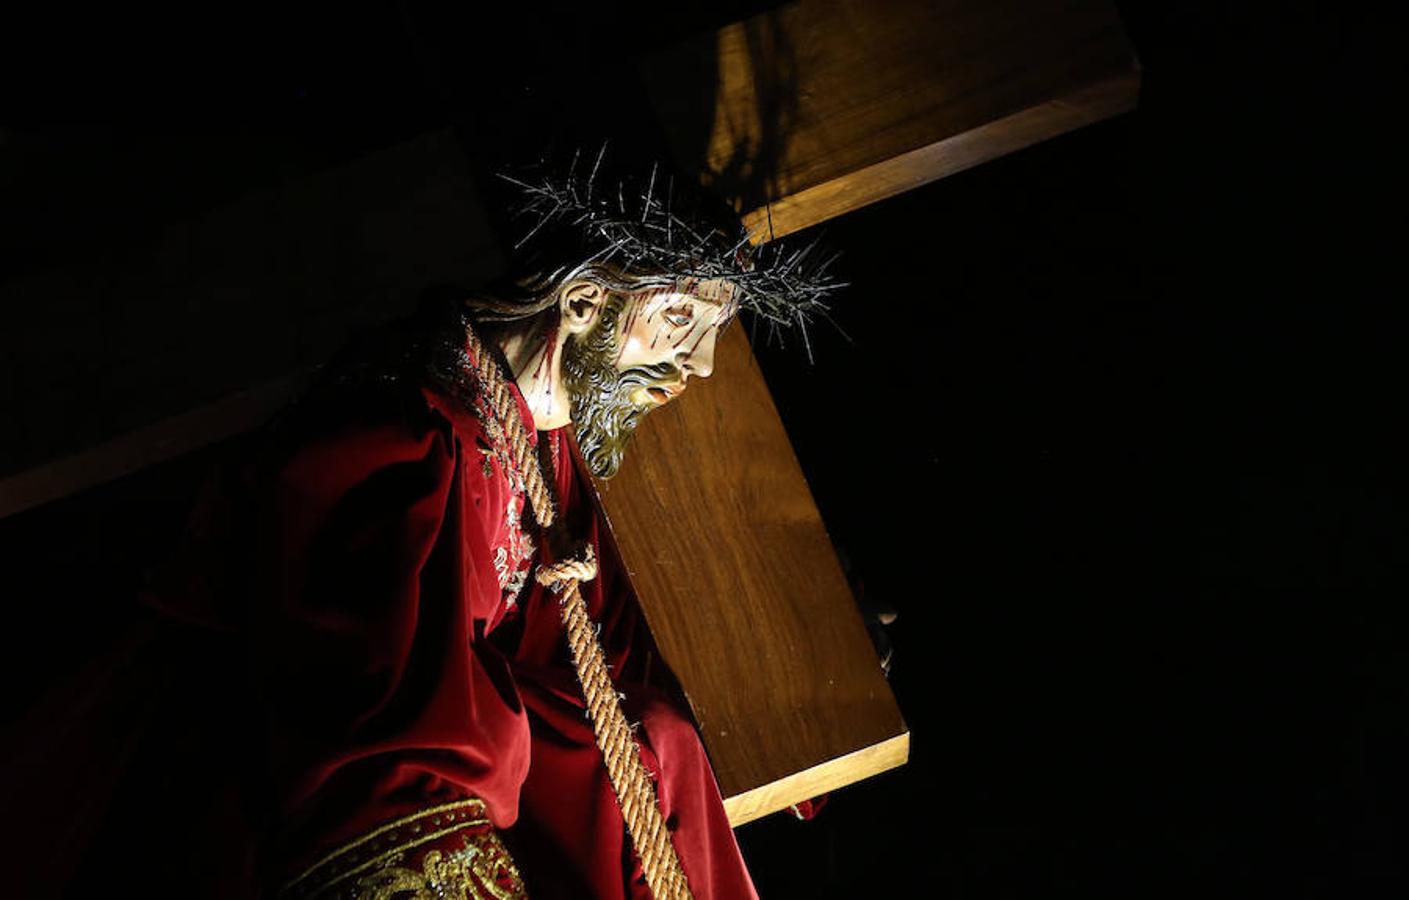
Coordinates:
(580, 565)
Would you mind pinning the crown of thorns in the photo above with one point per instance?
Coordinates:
(656, 228)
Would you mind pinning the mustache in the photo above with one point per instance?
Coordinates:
(660, 373)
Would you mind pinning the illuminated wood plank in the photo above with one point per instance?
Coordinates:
(745, 597)
(820, 107)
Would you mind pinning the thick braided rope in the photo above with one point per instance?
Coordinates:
(634, 789)
(506, 410)
(635, 792)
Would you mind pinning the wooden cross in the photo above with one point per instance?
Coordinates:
(821, 107)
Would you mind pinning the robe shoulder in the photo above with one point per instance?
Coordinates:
(411, 408)
(378, 590)
(337, 435)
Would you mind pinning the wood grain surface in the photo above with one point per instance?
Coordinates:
(823, 106)
(157, 443)
(745, 597)
(132, 356)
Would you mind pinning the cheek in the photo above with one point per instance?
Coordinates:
(644, 344)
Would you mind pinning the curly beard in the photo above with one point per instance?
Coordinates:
(604, 412)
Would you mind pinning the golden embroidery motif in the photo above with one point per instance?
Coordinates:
(446, 851)
(478, 870)
(514, 574)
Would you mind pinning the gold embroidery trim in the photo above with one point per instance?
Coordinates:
(434, 812)
(471, 873)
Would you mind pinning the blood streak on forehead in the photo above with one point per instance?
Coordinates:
(652, 302)
(714, 292)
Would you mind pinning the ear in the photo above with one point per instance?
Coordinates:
(580, 302)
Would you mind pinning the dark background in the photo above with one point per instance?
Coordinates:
(1111, 431)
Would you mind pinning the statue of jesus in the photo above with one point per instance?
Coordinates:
(451, 690)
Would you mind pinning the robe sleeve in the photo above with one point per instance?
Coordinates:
(374, 587)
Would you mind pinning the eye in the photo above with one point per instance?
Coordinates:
(680, 316)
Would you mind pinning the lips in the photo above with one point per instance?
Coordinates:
(664, 394)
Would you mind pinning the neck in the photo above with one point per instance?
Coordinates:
(534, 351)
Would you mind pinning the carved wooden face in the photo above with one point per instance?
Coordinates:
(668, 327)
(640, 355)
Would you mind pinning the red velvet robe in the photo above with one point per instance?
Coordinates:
(367, 658)
(410, 676)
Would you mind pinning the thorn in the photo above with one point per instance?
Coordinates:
(826, 314)
(541, 222)
(650, 191)
(593, 177)
(806, 344)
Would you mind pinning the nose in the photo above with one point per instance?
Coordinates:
(699, 362)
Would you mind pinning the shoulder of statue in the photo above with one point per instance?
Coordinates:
(458, 369)
(381, 374)
(462, 374)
